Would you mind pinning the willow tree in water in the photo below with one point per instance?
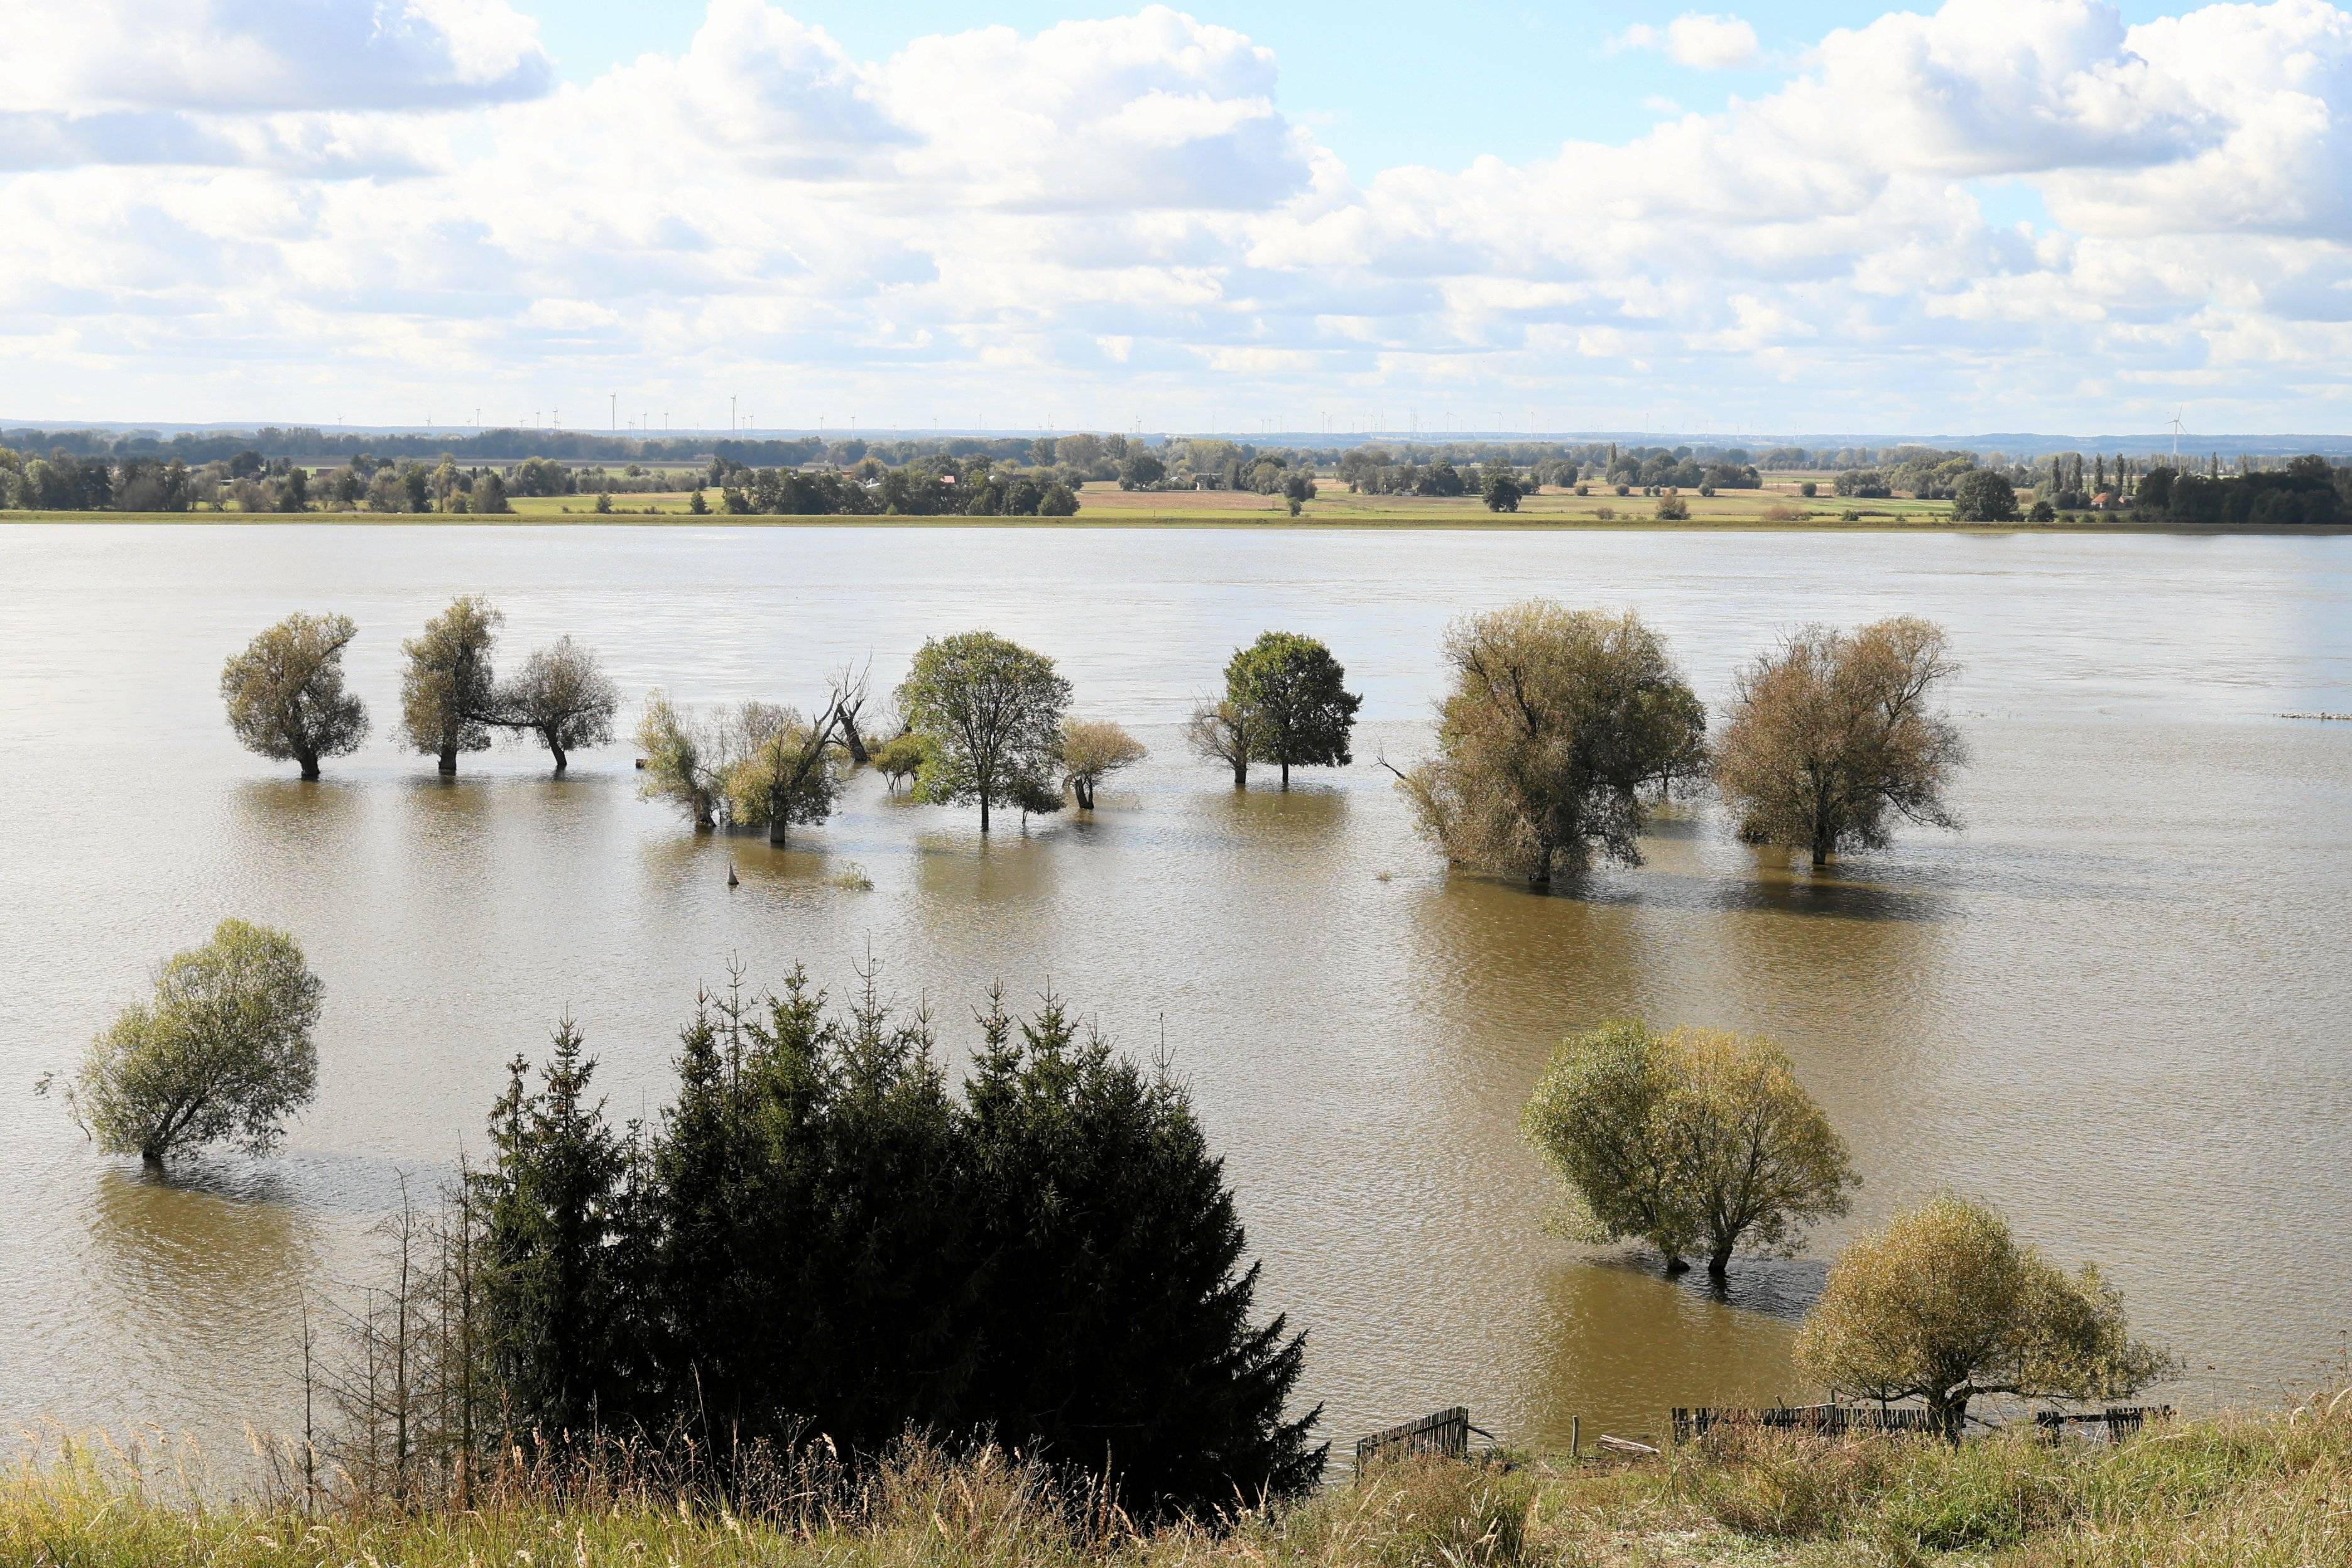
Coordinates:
(285, 692)
(1832, 739)
(1554, 722)
(563, 696)
(448, 691)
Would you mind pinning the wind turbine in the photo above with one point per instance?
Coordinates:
(2176, 428)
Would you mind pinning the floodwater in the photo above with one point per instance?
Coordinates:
(2116, 1004)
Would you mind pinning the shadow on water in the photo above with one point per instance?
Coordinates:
(1783, 1288)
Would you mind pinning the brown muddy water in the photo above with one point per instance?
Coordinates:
(2116, 1004)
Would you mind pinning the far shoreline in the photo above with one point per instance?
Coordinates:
(1498, 524)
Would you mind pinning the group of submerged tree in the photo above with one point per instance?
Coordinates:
(1559, 728)
(823, 1241)
(1702, 1141)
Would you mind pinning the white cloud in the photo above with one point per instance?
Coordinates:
(265, 55)
(1699, 41)
(1115, 213)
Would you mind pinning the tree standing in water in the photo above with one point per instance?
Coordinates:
(1222, 732)
(1832, 738)
(285, 692)
(992, 710)
(1945, 1305)
(448, 693)
(1555, 721)
(1693, 1142)
(686, 761)
(1301, 712)
(221, 1053)
(564, 698)
(1093, 750)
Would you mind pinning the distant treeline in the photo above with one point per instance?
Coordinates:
(249, 481)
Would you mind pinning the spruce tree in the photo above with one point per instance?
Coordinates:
(556, 1289)
(1116, 1331)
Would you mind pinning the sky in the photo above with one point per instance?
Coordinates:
(1991, 216)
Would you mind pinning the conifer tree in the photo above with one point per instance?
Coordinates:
(556, 1213)
(1117, 1331)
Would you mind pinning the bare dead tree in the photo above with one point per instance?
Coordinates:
(849, 694)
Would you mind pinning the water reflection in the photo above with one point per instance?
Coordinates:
(1618, 1346)
(202, 1266)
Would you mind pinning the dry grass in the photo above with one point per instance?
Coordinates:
(2250, 1492)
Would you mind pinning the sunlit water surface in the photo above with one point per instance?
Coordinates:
(2114, 1005)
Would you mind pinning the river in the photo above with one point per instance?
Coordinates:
(2116, 1004)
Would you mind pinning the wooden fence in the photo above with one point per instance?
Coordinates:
(2124, 1421)
(1446, 1433)
(1838, 1420)
(1814, 1420)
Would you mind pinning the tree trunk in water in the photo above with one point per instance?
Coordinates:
(776, 826)
(1084, 792)
(1675, 1264)
(983, 813)
(1286, 775)
(153, 1157)
(852, 739)
(562, 762)
(704, 821)
(1241, 773)
(1824, 842)
(310, 767)
(449, 759)
(1718, 1264)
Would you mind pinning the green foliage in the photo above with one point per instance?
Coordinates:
(822, 1237)
(1501, 488)
(1673, 508)
(285, 692)
(684, 762)
(783, 769)
(992, 710)
(1695, 1139)
(1555, 719)
(900, 758)
(1945, 1305)
(559, 1224)
(1093, 750)
(221, 1053)
(1832, 738)
(1299, 712)
(563, 696)
(449, 692)
(1983, 496)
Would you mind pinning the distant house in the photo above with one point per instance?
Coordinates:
(2106, 501)
(820, 466)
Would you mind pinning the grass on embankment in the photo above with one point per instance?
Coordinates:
(2272, 1492)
